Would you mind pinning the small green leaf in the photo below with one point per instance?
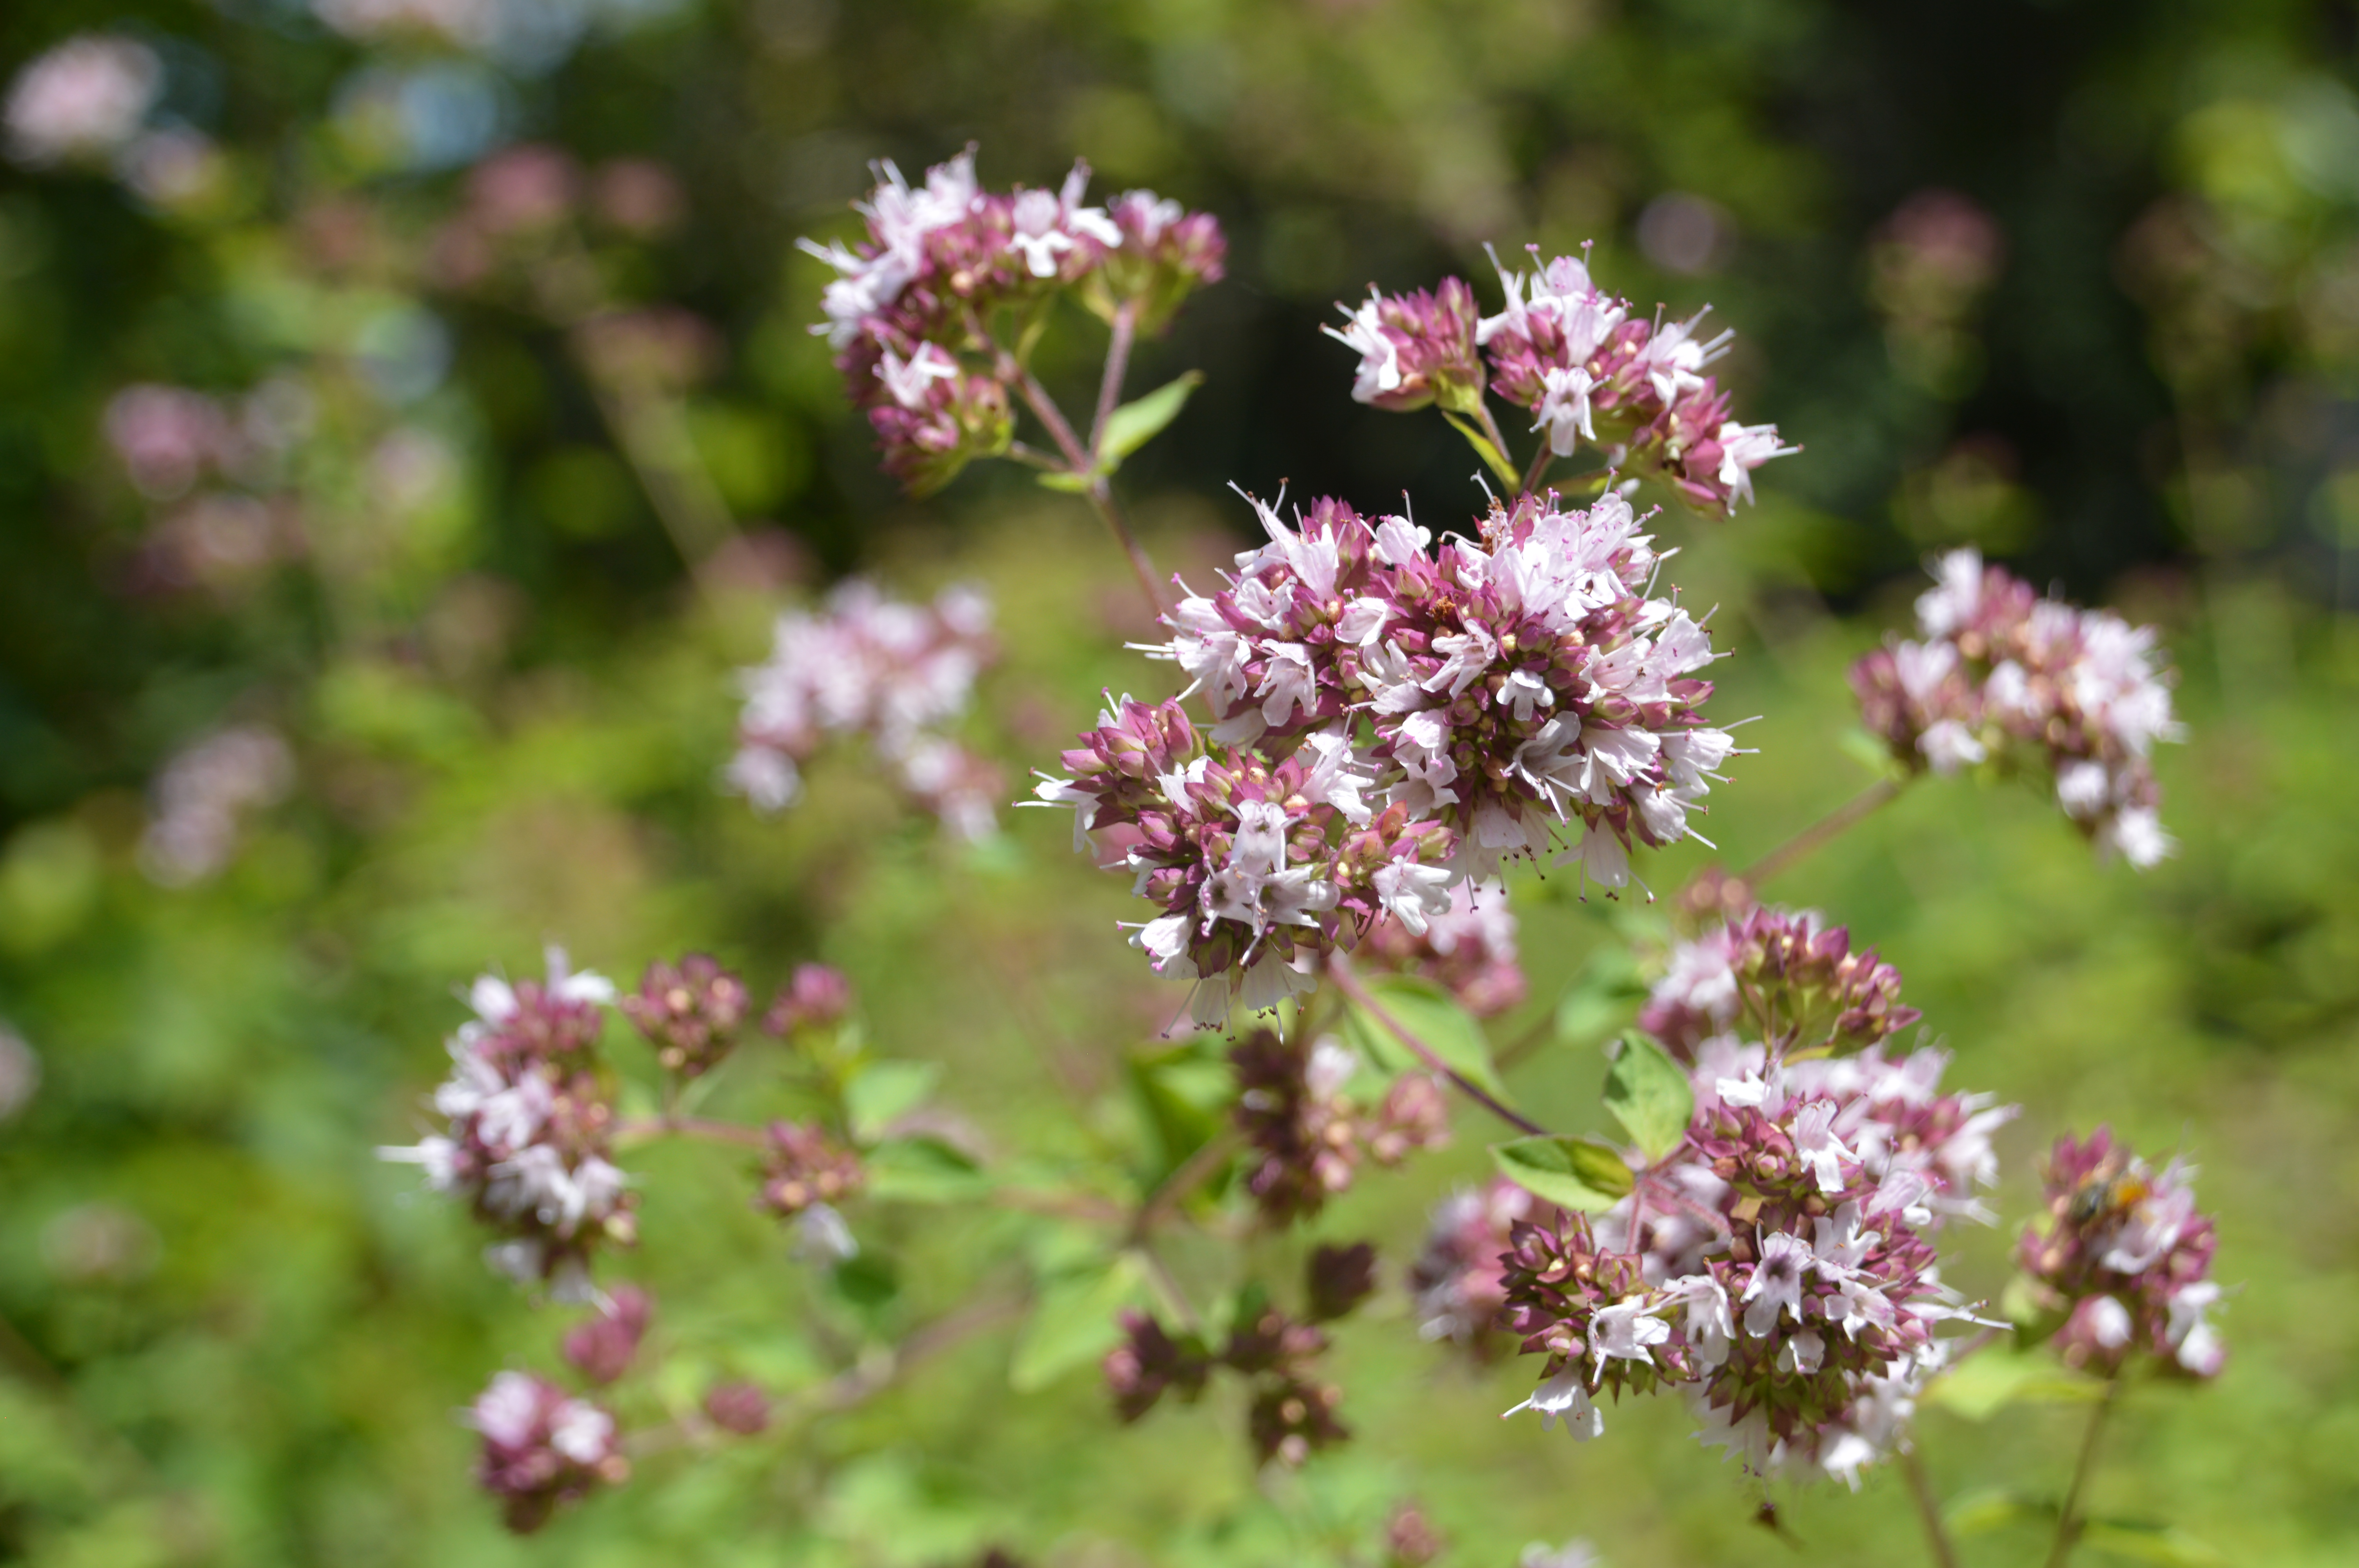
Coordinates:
(1602, 998)
(1492, 456)
(1071, 483)
(923, 1170)
(2000, 1375)
(2149, 1543)
(882, 1091)
(1073, 1321)
(1134, 424)
(1571, 1172)
(1979, 1513)
(1428, 1012)
(1648, 1095)
(1184, 1094)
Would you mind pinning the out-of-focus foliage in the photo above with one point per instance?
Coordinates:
(2124, 360)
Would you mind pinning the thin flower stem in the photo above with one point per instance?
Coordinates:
(1117, 365)
(1349, 984)
(1817, 834)
(1168, 1284)
(1176, 1188)
(1490, 429)
(1537, 472)
(641, 1129)
(873, 1378)
(1101, 496)
(1079, 461)
(2069, 1523)
(1033, 457)
(1928, 1510)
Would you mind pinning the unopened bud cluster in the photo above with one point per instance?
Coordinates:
(910, 311)
(1292, 1409)
(1390, 723)
(2124, 1256)
(899, 674)
(2000, 675)
(690, 1011)
(1305, 1136)
(1574, 357)
(1783, 977)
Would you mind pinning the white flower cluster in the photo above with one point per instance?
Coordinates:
(898, 673)
(527, 1143)
(202, 794)
(2000, 672)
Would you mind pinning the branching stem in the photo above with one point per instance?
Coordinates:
(1349, 984)
(2069, 1523)
(1817, 834)
(1928, 1510)
(1080, 462)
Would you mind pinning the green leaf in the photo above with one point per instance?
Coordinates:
(881, 1092)
(923, 1170)
(1602, 998)
(1134, 424)
(2000, 1375)
(1184, 1094)
(1426, 1011)
(1495, 459)
(1649, 1096)
(2149, 1543)
(1571, 1172)
(1071, 483)
(1979, 1513)
(1073, 1321)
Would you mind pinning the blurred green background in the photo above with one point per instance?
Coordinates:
(229, 1335)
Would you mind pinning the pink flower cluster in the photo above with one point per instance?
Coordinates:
(1779, 1265)
(2124, 1256)
(218, 467)
(897, 674)
(1575, 358)
(913, 300)
(541, 1447)
(1257, 865)
(530, 1128)
(1458, 1280)
(1390, 722)
(202, 795)
(1468, 949)
(1518, 687)
(85, 99)
(2001, 675)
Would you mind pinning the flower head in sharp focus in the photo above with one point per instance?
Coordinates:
(1999, 675)
(1784, 1275)
(898, 674)
(1580, 361)
(1524, 688)
(2124, 1258)
(528, 1140)
(911, 310)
